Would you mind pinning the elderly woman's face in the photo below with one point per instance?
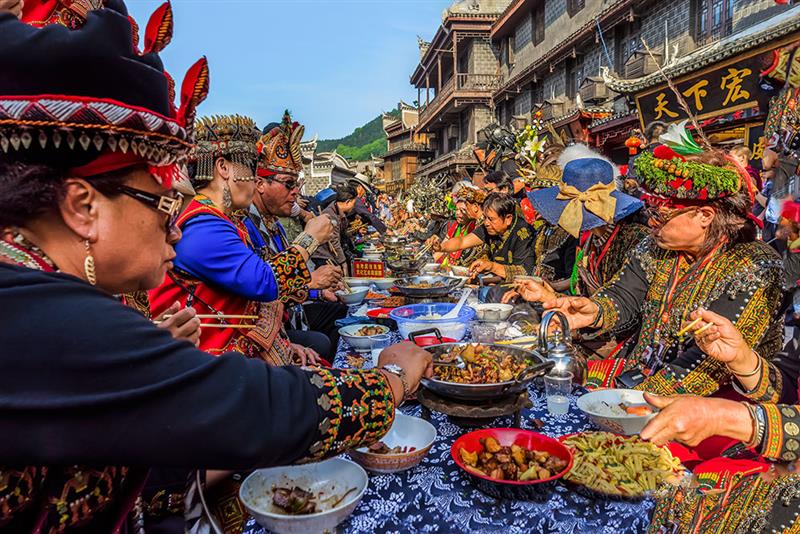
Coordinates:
(133, 249)
(680, 229)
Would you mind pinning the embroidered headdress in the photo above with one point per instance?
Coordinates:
(671, 174)
(90, 95)
(469, 193)
(279, 149)
(232, 137)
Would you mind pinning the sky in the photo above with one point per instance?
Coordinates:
(335, 64)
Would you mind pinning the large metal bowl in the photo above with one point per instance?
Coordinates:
(449, 283)
(477, 392)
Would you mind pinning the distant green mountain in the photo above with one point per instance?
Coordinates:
(365, 141)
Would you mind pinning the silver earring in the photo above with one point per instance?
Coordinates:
(227, 199)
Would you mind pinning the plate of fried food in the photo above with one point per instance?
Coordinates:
(509, 462)
(473, 371)
(618, 466)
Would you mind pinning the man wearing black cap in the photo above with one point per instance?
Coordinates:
(364, 208)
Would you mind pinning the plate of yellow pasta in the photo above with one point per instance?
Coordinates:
(620, 466)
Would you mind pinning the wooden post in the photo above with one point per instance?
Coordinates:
(455, 59)
(440, 74)
(427, 89)
(419, 97)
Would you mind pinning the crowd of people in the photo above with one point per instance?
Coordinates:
(168, 295)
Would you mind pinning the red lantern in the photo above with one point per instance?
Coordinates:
(634, 144)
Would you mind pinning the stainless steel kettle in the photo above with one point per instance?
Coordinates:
(559, 349)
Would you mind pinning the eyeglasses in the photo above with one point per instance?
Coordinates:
(661, 217)
(165, 204)
(288, 184)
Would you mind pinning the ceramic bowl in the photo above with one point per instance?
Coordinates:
(406, 431)
(330, 480)
(356, 296)
(594, 405)
(383, 283)
(493, 312)
(360, 343)
(358, 282)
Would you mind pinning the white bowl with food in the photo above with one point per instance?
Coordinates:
(358, 282)
(405, 445)
(301, 499)
(352, 296)
(493, 312)
(622, 411)
(361, 336)
(383, 283)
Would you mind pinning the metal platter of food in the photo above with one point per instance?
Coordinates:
(620, 466)
(427, 286)
(473, 372)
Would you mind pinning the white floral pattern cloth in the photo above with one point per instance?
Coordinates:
(437, 497)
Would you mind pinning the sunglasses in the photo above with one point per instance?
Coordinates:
(171, 206)
(661, 217)
(288, 184)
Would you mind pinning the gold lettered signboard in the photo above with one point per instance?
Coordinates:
(368, 269)
(708, 93)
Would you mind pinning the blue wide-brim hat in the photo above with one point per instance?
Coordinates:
(582, 174)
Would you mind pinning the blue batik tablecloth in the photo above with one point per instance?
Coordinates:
(437, 496)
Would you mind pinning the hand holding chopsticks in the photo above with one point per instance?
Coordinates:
(181, 323)
(719, 338)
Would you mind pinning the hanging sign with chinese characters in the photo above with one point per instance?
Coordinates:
(709, 93)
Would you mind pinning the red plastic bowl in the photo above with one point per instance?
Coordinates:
(512, 436)
(378, 312)
(430, 341)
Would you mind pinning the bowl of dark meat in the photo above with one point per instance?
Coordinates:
(403, 447)
(304, 498)
(512, 463)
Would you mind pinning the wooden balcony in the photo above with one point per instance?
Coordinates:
(458, 90)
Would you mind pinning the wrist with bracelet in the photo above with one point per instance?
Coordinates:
(307, 242)
(754, 372)
(599, 319)
(400, 373)
(758, 420)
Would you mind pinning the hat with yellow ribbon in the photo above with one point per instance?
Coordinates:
(587, 198)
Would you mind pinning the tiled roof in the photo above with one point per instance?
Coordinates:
(759, 34)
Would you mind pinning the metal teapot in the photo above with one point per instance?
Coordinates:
(560, 350)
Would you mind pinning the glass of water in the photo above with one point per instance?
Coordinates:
(483, 333)
(557, 388)
(377, 344)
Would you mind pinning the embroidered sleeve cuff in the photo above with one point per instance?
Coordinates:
(292, 276)
(356, 409)
(609, 311)
(781, 432)
(768, 388)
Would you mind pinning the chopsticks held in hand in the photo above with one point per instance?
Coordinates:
(221, 317)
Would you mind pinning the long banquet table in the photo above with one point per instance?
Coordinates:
(436, 496)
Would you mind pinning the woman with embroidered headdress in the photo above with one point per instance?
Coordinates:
(89, 211)
(703, 252)
(217, 269)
